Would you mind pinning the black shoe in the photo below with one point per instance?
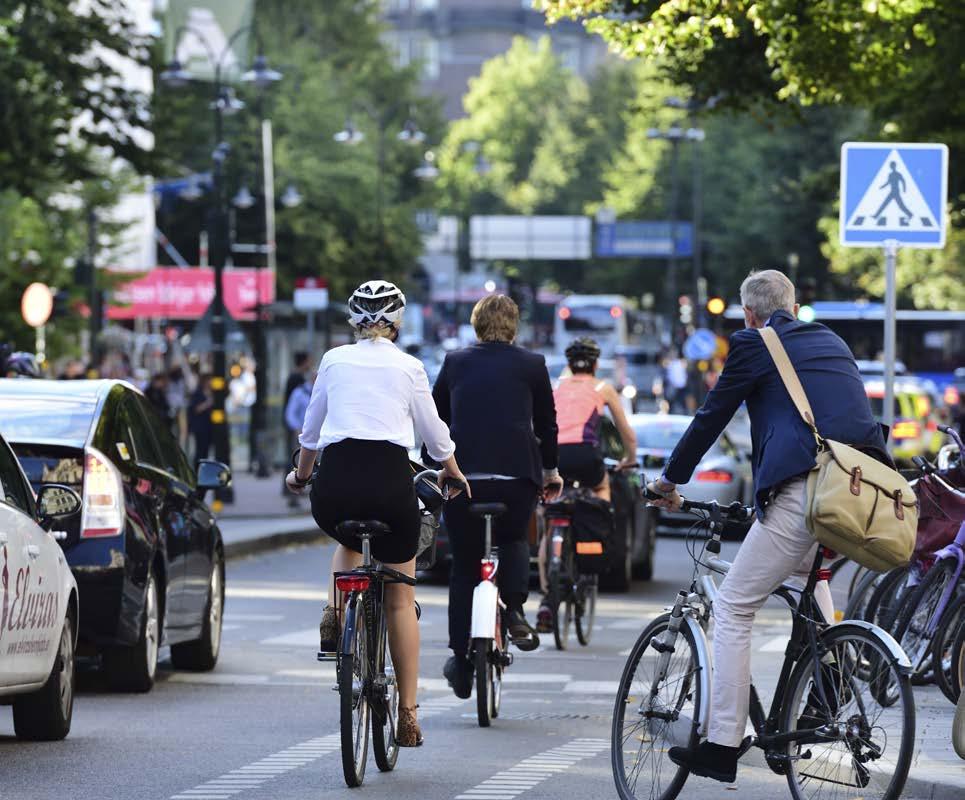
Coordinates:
(544, 617)
(709, 760)
(521, 633)
(459, 671)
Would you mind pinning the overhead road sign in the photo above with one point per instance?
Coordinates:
(893, 192)
(549, 238)
(644, 239)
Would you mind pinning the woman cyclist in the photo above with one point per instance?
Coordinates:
(361, 413)
(581, 400)
(498, 401)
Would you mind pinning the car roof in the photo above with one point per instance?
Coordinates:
(644, 418)
(83, 391)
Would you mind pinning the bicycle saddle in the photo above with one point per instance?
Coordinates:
(487, 509)
(371, 528)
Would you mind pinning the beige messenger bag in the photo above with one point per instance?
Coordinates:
(856, 505)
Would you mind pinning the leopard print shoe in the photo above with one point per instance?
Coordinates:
(409, 734)
(328, 631)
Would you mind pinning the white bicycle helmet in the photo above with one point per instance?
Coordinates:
(376, 302)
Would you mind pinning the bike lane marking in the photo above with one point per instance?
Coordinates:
(534, 770)
(256, 774)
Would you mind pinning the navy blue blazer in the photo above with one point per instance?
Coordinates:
(783, 445)
(498, 403)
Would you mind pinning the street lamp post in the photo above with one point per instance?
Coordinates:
(176, 75)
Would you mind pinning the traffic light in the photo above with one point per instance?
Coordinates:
(61, 304)
(686, 310)
(716, 306)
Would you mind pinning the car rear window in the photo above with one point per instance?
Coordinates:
(658, 434)
(28, 419)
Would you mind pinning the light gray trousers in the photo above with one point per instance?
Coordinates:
(775, 549)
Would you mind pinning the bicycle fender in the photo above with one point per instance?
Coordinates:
(348, 634)
(899, 656)
(703, 657)
(484, 600)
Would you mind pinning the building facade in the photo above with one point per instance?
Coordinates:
(451, 39)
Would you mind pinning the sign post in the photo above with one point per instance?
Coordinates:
(893, 194)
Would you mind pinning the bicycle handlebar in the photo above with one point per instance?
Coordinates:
(452, 484)
(736, 511)
(949, 431)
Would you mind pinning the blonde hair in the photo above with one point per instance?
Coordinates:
(382, 331)
(767, 291)
(495, 319)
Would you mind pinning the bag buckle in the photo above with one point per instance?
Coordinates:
(856, 481)
(899, 508)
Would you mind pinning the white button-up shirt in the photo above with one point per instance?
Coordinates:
(372, 390)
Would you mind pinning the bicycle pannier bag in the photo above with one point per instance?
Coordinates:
(592, 534)
(856, 505)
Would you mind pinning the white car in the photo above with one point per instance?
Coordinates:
(38, 605)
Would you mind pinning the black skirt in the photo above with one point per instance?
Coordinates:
(359, 480)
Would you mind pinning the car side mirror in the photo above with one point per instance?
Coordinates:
(212, 475)
(56, 502)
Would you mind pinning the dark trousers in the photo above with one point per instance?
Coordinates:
(466, 539)
(291, 445)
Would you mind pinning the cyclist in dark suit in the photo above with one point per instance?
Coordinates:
(498, 402)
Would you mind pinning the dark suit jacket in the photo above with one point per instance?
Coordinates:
(783, 445)
(498, 403)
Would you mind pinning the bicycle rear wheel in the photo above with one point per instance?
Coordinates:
(958, 661)
(916, 621)
(941, 647)
(867, 747)
(859, 598)
(385, 716)
(651, 715)
(586, 608)
(353, 679)
(886, 599)
(485, 689)
(561, 599)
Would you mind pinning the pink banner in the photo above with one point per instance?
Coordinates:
(172, 293)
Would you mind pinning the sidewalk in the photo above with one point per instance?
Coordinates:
(260, 518)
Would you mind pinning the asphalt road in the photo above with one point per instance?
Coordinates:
(263, 725)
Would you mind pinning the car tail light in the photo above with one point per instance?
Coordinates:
(951, 396)
(352, 583)
(906, 429)
(487, 569)
(715, 476)
(103, 510)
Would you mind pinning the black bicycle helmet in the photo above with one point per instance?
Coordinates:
(582, 354)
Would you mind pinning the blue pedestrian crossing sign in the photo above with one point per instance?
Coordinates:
(893, 191)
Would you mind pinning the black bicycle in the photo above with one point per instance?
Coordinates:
(841, 724)
(571, 594)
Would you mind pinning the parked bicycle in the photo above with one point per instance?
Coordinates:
(571, 592)
(826, 731)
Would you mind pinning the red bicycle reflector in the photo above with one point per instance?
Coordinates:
(589, 548)
(824, 574)
(352, 583)
(561, 522)
(487, 570)
(827, 552)
(715, 476)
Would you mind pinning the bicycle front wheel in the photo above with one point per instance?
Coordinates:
(586, 608)
(861, 749)
(942, 644)
(385, 716)
(957, 656)
(353, 677)
(919, 615)
(655, 712)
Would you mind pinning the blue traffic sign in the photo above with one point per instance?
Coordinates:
(892, 191)
(700, 345)
(643, 239)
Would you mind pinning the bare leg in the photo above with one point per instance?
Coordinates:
(603, 490)
(403, 634)
(541, 562)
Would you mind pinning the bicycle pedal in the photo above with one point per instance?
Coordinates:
(326, 656)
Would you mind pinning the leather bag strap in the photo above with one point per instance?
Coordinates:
(788, 375)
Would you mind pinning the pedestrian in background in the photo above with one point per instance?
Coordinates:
(157, 395)
(177, 394)
(295, 410)
(302, 365)
(199, 417)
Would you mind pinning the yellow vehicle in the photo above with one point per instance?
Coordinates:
(915, 432)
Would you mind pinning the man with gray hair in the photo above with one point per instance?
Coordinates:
(778, 544)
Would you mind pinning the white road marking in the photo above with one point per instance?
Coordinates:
(532, 771)
(592, 687)
(216, 677)
(229, 617)
(776, 645)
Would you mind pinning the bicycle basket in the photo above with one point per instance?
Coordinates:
(592, 534)
(426, 554)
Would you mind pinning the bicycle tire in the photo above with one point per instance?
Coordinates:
(856, 576)
(561, 587)
(852, 693)
(586, 611)
(485, 691)
(385, 717)
(689, 696)
(916, 613)
(858, 601)
(352, 678)
(886, 599)
(942, 651)
(958, 662)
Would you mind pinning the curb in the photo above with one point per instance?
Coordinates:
(274, 541)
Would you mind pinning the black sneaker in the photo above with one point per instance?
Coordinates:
(459, 671)
(708, 760)
(521, 633)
